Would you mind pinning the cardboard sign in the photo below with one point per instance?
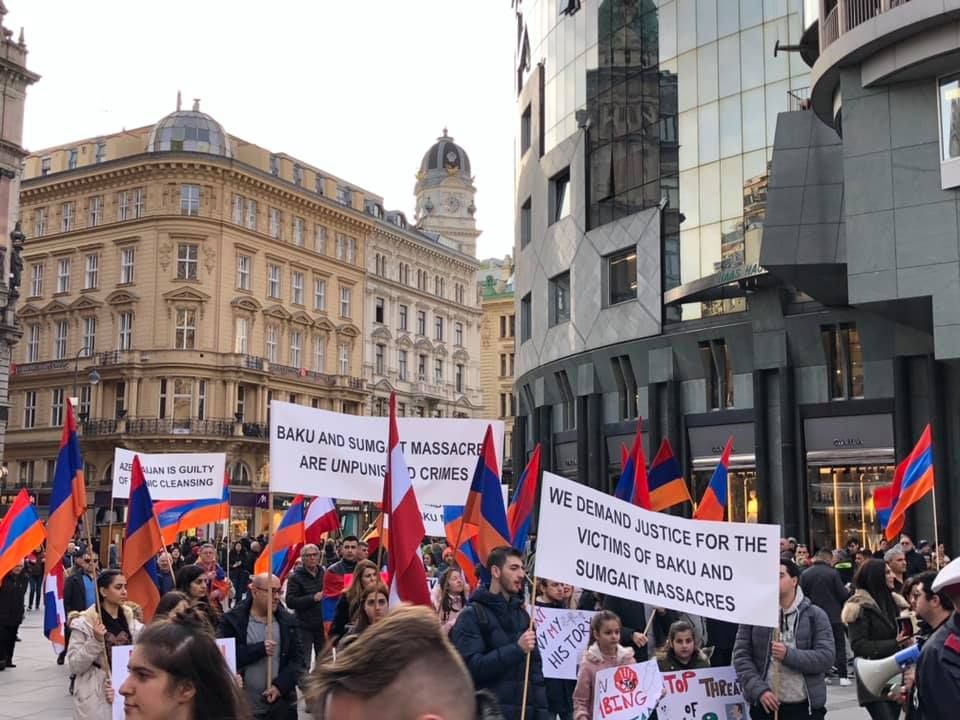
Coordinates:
(708, 694)
(562, 637)
(627, 692)
(328, 454)
(120, 657)
(433, 520)
(724, 570)
(171, 476)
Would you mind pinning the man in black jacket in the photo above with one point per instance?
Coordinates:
(916, 563)
(78, 592)
(822, 584)
(12, 589)
(275, 699)
(304, 596)
(493, 636)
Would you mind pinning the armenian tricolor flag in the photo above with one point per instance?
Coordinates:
(286, 542)
(68, 501)
(177, 516)
(520, 512)
(465, 556)
(713, 504)
(667, 486)
(141, 545)
(915, 482)
(633, 485)
(21, 532)
(483, 513)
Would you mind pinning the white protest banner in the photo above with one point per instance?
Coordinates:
(171, 476)
(562, 636)
(120, 658)
(708, 694)
(627, 692)
(433, 520)
(318, 452)
(724, 570)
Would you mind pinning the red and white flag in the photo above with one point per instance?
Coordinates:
(321, 518)
(408, 580)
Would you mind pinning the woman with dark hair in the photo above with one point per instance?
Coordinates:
(372, 608)
(171, 604)
(238, 569)
(451, 597)
(871, 618)
(365, 575)
(192, 582)
(92, 638)
(177, 672)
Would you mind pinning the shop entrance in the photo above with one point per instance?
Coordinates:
(742, 503)
(841, 503)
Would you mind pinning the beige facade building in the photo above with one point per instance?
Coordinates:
(177, 279)
(16, 79)
(497, 341)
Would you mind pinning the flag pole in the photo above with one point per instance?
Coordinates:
(270, 585)
(96, 602)
(526, 669)
(936, 531)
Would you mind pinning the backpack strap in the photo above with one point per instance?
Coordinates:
(483, 622)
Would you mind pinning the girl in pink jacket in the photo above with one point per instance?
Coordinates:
(605, 651)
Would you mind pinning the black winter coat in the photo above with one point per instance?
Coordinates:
(234, 625)
(74, 595)
(495, 661)
(301, 589)
(938, 673)
(11, 598)
(822, 584)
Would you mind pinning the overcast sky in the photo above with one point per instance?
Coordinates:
(359, 88)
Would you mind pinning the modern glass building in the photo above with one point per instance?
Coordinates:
(652, 136)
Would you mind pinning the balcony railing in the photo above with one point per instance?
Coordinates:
(212, 427)
(848, 14)
(99, 427)
(799, 99)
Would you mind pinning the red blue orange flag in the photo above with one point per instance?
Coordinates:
(68, 501)
(281, 552)
(917, 481)
(177, 516)
(633, 486)
(667, 486)
(520, 512)
(483, 512)
(141, 545)
(21, 532)
(713, 504)
(885, 497)
(465, 556)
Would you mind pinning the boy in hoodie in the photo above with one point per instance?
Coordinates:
(785, 677)
(604, 651)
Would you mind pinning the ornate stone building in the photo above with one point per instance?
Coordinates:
(176, 280)
(497, 345)
(16, 79)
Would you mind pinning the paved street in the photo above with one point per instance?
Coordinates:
(37, 687)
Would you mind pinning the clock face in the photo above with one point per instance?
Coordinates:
(451, 203)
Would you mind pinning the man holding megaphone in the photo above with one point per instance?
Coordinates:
(937, 694)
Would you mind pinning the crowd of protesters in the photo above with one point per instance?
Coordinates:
(835, 605)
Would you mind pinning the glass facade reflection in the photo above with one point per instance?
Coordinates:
(682, 98)
(841, 503)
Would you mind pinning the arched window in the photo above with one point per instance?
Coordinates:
(240, 474)
(108, 475)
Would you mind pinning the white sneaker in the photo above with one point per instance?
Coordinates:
(845, 682)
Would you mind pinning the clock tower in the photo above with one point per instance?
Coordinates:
(445, 194)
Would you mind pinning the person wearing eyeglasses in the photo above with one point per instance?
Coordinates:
(79, 592)
(247, 624)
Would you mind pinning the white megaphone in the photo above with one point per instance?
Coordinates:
(872, 675)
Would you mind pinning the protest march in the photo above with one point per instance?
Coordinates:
(548, 599)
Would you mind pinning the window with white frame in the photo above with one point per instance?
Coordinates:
(72, 158)
(298, 225)
(458, 334)
(296, 287)
(351, 249)
(66, 217)
(237, 209)
(344, 195)
(89, 346)
(402, 364)
(123, 205)
(45, 165)
(36, 280)
(319, 294)
(243, 271)
(33, 343)
(270, 336)
(138, 202)
(297, 175)
(241, 333)
(186, 328)
(273, 215)
(341, 246)
(422, 367)
(201, 399)
(320, 239)
(273, 280)
(91, 271)
(56, 407)
(187, 261)
(344, 301)
(100, 154)
(319, 353)
(95, 207)
(39, 222)
(189, 199)
(125, 331)
(60, 340)
(63, 275)
(422, 322)
(458, 378)
(251, 214)
(296, 343)
(29, 408)
(126, 265)
(344, 359)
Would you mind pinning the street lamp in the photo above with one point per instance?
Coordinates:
(93, 377)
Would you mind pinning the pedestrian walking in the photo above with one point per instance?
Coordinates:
(782, 675)
(604, 651)
(11, 612)
(35, 568)
(871, 616)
